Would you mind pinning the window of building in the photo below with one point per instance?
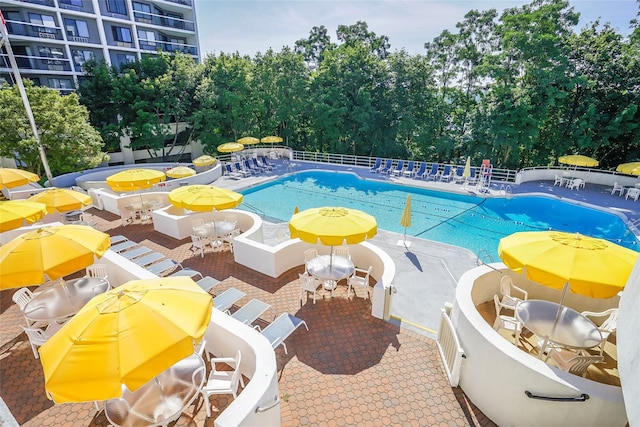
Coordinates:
(142, 11)
(76, 28)
(117, 6)
(121, 34)
(123, 58)
(45, 23)
(50, 52)
(81, 56)
(147, 37)
(60, 83)
(77, 3)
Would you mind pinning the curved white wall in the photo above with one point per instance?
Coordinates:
(495, 374)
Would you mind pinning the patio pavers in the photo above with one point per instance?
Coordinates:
(348, 369)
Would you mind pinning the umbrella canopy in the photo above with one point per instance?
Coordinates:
(466, 173)
(578, 160)
(49, 252)
(332, 225)
(204, 198)
(180, 172)
(271, 139)
(135, 179)
(127, 335)
(248, 140)
(230, 147)
(204, 161)
(10, 178)
(61, 199)
(632, 168)
(590, 267)
(405, 219)
(14, 213)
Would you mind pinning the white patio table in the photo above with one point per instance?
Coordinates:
(330, 269)
(162, 400)
(64, 299)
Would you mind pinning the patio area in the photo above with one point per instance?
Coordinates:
(348, 369)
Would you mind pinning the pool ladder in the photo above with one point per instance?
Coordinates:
(483, 256)
(506, 191)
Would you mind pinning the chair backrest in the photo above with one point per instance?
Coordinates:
(197, 241)
(97, 270)
(473, 172)
(422, 168)
(400, 165)
(22, 296)
(496, 303)
(235, 377)
(344, 252)
(231, 218)
(447, 170)
(411, 165)
(281, 235)
(505, 286)
(378, 163)
(434, 169)
(388, 164)
(36, 336)
(310, 254)
(307, 282)
(227, 166)
(578, 365)
(611, 323)
(196, 223)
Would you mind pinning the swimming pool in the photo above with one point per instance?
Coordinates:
(472, 222)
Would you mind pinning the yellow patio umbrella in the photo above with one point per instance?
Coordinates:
(466, 173)
(578, 160)
(49, 253)
(248, 140)
(204, 198)
(332, 226)
(14, 213)
(61, 199)
(180, 172)
(632, 168)
(405, 219)
(11, 178)
(271, 139)
(230, 147)
(127, 335)
(135, 179)
(204, 161)
(588, 266)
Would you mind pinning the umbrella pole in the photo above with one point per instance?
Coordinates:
(564, 292)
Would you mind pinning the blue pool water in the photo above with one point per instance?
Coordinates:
(472, 222)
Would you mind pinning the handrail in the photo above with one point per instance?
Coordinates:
(266, 408)
(582, 398)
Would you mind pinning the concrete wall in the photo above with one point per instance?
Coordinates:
(594, 176)
(495, 374)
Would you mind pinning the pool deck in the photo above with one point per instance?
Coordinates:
(355, 371)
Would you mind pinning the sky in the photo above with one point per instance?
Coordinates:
(257, 25)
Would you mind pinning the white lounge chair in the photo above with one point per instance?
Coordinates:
(280, 329)
(207, 282)
(164, 267)
(251, 311)
(226, 299)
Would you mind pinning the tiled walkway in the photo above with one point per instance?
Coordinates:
(348, 369)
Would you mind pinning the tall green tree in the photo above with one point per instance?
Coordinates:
(69, 141)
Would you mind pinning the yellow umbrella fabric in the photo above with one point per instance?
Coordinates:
(49, 252)
(272, 139)
(135, 179)
(466, 173)
(11, 178)
(204, 198)
(204, 161)
(405, 219)
(180, 172)
(578, 160)
(61, 199)
(591, 267)
(632, 168)
(332, 226)
(14, 213)
(230, 147)
(127, 335)
(248, 140)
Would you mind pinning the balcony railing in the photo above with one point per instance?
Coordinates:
(184, 2)
(21, 28)
(37, 63)
(163, 21)
(153, 46)
(41, 2)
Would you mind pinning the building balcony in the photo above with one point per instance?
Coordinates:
(17, 28)
(154, 46)
(36, 63)
(164, 21)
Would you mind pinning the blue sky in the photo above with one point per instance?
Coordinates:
(255, 26)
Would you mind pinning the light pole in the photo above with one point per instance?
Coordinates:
(4, 41)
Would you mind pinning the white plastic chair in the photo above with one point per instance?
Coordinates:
(22, 297)
(361, 281)
(310, 254)
(202, 351)
(38, 336)
(343, 252)
(98, 271)
(574, 363)
(609, 326)
(575, 184)
(199, 243)
(222, 382)
(197, 223)
(558, 181)
(509, 323)
(634, 193)
(308, 284)
(509, 301)
(617, 188)
(88, 219)
(281, 235)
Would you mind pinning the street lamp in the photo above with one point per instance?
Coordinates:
(4, 41)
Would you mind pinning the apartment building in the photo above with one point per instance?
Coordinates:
(51, 39)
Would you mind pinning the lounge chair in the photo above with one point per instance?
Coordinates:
(163, 267)
(266, 164)
(226, 299)
(409, 172)
(251, 169)
(457, 177)
(473, 178)
(446, 173)
(399, 169)
(238, 169)
(280, 329)
(186, 272)
(136, 252)
(387, 167)
(257, 166)
(147, 260)
(230, 173)
(118, 239)
(422, 170)
(251, 311)
(434, 173)
(376, 167)
(121, 247)
(207, 282)
(634, 193)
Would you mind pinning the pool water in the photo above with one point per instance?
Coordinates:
(472, 222)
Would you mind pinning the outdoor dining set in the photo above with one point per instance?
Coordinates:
(217, 235)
